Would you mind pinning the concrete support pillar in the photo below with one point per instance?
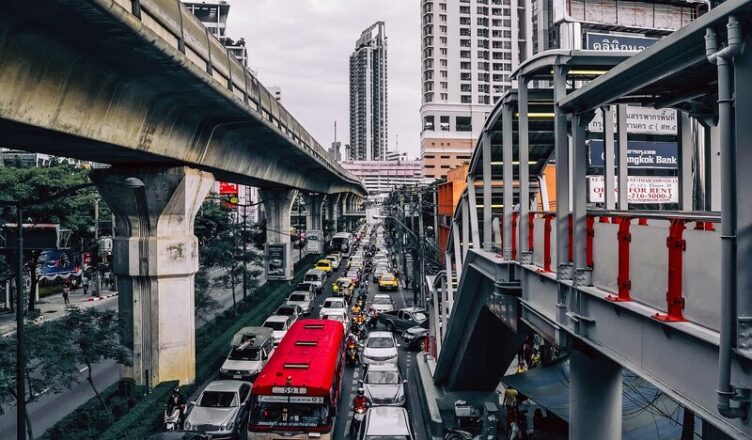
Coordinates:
(155, 257)
(278, 251)
(595, 397)
(315, 220)
(334, 212)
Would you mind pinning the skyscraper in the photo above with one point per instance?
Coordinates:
(368, 95)
(213, 14)
(468, 54)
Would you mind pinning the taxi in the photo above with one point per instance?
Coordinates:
(324, 265)
(388, 281)
(343, 287)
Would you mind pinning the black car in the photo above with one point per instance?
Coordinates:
(414, 337)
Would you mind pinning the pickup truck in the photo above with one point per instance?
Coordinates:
(403, 319)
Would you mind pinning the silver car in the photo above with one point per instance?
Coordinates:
(382, 303)
(221, 409)
(383, 385)
(379, 347)
(387, 422)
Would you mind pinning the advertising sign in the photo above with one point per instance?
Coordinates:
(641, 120)
(226, 188)
(640, 154)
(62, 264)
(642, 189)
(276, 261)
(617, 43)
(315, 243)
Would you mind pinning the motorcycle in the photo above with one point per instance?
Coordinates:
(359, 414)
(173, 416)
(352, 354)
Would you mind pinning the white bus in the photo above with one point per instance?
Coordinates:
(341, 242)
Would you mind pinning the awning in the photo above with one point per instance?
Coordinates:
(647, 413)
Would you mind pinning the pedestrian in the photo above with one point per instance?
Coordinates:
(66, 292)
(85, 284)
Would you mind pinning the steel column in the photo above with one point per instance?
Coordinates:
(608, 166)
(487, 217)
(465, 226)
(562, 174)
(579, 207)
(473, 210)
(524, 153)
(447, 305)
(686, 150)
(457, 245)
(621, 128)
(595, 395)
(507, 124)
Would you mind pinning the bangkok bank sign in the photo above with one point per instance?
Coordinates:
(642, 189)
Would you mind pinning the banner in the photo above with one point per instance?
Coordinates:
(641, 120)
(642, 189)
(640, 154)
(226, 188)
(54, 264)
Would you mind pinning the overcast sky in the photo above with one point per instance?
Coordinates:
(304, 47)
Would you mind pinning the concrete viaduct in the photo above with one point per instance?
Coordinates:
(142, 86)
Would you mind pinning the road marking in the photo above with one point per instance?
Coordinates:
(83, 369)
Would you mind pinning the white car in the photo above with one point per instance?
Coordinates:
(333, 304)
(387, 422)
(379, 348)
(279, 325)
(338, 316)
(334, 261)
(382, 303)
(302, 299)
(383, 385)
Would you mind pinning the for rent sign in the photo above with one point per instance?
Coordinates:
(642, 189)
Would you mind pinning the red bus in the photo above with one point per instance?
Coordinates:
(297, 392)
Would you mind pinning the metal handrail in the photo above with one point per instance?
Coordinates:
(695, 216)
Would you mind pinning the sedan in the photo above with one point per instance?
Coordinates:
(414, 337)
(382, 303)
(386, 422)
(333, 304)
(378, 271)
(279, 325)
(220, 409)
(293, 312)
(304, 300)
(338, 316)
(383, 385)
(379, 347)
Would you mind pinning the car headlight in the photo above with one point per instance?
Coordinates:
(230, 426)
(187, 425)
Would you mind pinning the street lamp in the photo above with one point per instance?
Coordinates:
(131, 183)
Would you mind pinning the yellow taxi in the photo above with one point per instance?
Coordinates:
(388, 282)
(343, 286)
(324, 265)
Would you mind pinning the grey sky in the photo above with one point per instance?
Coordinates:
(304, 46)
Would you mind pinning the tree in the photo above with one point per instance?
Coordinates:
(74, 212)
(91, 336)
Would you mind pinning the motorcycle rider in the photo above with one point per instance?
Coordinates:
(351, 343)
(176, 398)
(373, 317)
(360, 406)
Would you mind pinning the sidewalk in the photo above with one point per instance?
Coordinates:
(53, 307)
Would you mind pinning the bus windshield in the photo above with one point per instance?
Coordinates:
(290, 415)
(341, 244)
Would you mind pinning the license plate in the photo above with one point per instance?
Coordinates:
(237, 376)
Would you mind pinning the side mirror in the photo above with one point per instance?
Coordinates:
(193, 402)
(404, 381)
(399, 345)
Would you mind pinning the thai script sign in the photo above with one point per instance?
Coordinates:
(640, 154)
(641, 120)
(618, 43)
(642, 189)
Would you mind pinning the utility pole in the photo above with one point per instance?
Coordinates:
(421, 251)
(300, 235)
(245, 249)
(97, 275)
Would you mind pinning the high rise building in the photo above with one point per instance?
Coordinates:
(470, 48)
(468, 54)
(368, 95)
(213, 15)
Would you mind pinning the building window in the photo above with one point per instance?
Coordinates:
(465, 65)
(464, 54)
(465, 88)
(466, 99)
(465, 76)
(464, 123)
(429, 156)
(428, 123)
(445, 157)
(444, 123)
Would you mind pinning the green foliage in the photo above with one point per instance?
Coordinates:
(143, 419)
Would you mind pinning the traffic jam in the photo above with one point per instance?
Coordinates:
(332, 362)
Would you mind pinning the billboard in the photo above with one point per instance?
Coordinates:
(641, 120)
(642, 189)
(276, 257)
(640, 154)
(227, 188)
(617, 43)
(315, 241)
(53, 264)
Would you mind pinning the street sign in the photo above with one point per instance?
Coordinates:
(641, 120)
(227, 188)
(642, 189)
(617, 42)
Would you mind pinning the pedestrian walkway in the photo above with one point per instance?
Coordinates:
(53, 307)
